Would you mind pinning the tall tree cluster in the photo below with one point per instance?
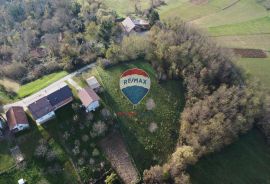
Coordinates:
(38, 37)
(220, 104)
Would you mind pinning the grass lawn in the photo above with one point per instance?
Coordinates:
(32, 87)
(258, 68)
(145, 147)
(239, 12)
(124, 7)
(247, 161)
(188, 11)
(257, 26)
(6, 160)
(260, 41)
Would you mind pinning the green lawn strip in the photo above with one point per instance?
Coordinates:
(257, 26)
(242, 11)
(246, 161)
(260, 41)
(188, 11)
(258, 68)
(6, 160)
(35, 86)
(124, 7)
(146, 148)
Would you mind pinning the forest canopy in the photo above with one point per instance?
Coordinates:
(39, 37)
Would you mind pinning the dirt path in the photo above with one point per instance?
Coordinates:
(116, 152)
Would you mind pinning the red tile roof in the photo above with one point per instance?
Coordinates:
(16, 115)
(88, 96)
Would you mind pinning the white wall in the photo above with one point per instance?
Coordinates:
(93, 106)
(45, 118)
(21, 127)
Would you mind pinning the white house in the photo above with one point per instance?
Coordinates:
(41, 110)
(89, 99)
(16, 119)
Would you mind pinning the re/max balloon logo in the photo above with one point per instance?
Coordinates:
(135, 84)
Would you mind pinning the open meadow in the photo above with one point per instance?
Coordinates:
(246, 161)
(145, 131)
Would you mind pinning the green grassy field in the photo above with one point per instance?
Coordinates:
(247, 161)
(257, 26)
(32, 87)
(258, 68)
(124, 7)
(146, 148)
(6, 161)
(249, 41)
(240, 12)
(188, 11)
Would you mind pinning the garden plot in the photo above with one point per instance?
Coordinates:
(115, 150)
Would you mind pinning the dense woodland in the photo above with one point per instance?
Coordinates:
(39, 37)
(220, 103)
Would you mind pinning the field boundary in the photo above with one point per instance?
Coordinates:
(230, 5)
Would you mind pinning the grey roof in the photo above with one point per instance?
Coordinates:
(60, 95)
(128, 24)
(93, 83)
(40, 108)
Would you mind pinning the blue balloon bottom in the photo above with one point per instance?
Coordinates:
(135, 93)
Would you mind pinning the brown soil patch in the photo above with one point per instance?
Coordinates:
(116, 152)
(250, 53)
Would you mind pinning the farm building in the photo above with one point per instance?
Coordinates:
(130, 25)
(61, 97)
(89, 99)
(93, 84)
(17, 119)
(41, 110)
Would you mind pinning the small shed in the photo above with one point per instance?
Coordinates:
(93, 84)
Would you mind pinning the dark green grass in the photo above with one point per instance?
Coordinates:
(6, 160)
(247, 161)
(145, 147)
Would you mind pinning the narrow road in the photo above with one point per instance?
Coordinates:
(57, 84)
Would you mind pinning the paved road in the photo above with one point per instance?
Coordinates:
(57, 84)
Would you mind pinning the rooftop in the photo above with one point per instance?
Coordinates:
(40, 108)
(16, 115)
(88, 96)
(60, 95)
